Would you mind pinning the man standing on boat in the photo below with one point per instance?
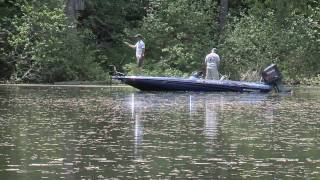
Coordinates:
(140, 49)
(212, 62)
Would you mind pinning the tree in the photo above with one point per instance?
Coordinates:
(44, 46)
(255, 42)
(7, 10)
(223, 14)
(179, 34)
(108, 21)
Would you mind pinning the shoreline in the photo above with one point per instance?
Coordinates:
(120, 85)
(65, 85)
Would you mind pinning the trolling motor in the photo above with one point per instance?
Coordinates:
(271, 75)
(197, 75)
(113, 71)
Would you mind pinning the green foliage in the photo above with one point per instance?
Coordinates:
(39, 44)
(310, 81)
(107, 20)
(132, 69)
(7, 10)
(176, 32)
(46, 48)
(254, 42)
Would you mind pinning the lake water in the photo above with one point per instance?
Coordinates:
(50, 132)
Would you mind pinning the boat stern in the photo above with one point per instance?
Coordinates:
(272, 75)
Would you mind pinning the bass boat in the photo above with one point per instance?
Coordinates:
(271, 76)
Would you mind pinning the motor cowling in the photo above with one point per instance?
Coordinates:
(271, 75)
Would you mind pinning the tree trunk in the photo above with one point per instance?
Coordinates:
(72, 6)
(223, 14)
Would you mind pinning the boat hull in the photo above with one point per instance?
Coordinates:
(181, 84)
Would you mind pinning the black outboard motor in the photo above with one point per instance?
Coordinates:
(271, 75)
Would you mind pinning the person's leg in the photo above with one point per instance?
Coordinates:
(139, 61)
(212, 73)
(137, 58)
(209, 74)
(215, 73)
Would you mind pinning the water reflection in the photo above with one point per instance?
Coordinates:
(212, 105)
(138, 126)
(83, 133)
(200, 106)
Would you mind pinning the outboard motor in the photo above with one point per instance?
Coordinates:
(271, 75)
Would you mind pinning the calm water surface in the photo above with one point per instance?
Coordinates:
(121, 133)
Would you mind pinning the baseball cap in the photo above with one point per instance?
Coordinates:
(138, 35)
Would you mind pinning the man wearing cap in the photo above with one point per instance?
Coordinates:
(140, 49)
(212, 62)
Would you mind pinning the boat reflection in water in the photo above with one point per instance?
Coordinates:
(155, 110)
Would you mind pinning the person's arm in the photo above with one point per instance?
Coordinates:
(218, 62)
(130, 45)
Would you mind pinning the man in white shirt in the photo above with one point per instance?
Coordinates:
(140, 49)
(212, 62)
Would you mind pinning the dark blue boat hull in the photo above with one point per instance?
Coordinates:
(181, 84)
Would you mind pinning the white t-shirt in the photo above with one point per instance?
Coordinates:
(212, 60)
(139, 46)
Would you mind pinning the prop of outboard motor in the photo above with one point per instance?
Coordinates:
(271, 75)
